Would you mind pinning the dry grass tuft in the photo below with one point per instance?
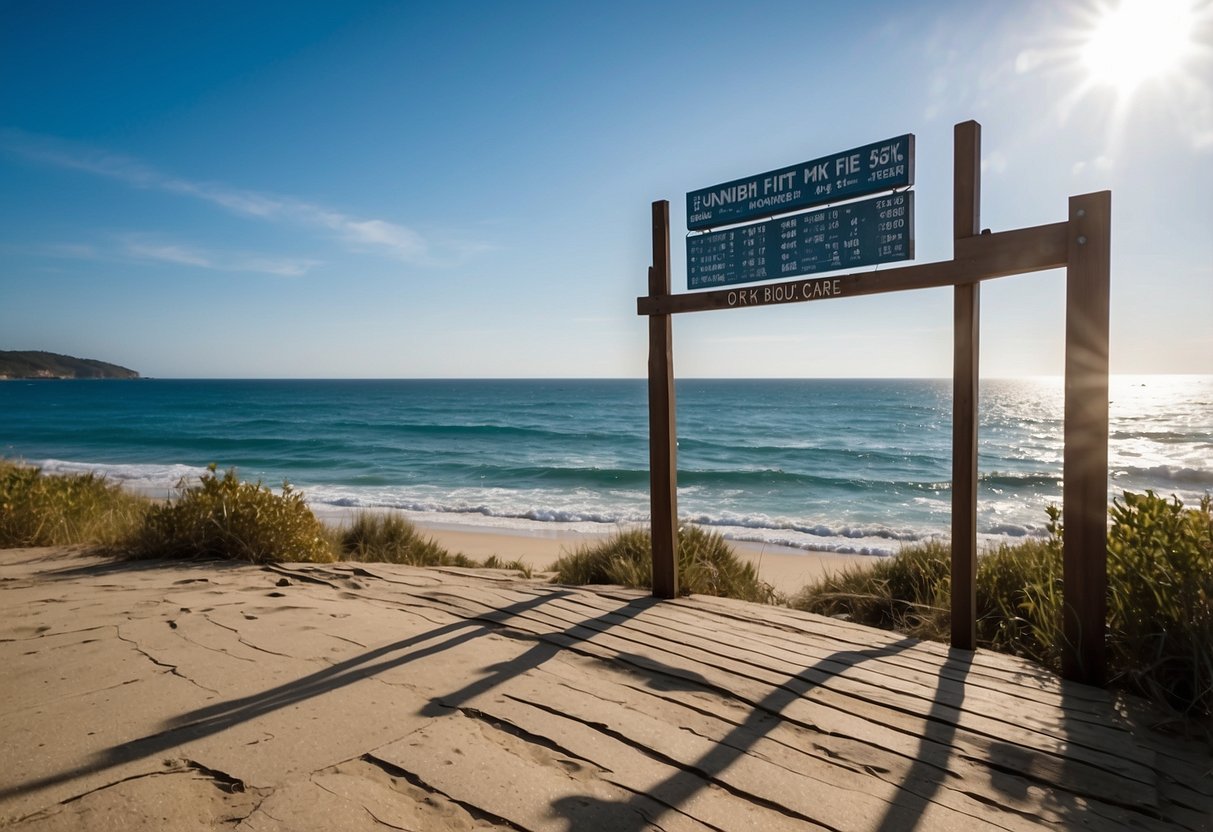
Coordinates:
(707, 565)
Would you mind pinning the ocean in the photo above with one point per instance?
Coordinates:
(852, 466)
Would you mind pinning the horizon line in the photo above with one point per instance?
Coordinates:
(1030, 377)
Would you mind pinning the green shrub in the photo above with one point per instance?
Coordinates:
(389, 538)
(707, 565)
(39, 510)
(1160, 599)
(221, 517)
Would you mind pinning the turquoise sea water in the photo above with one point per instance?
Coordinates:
(848, 466)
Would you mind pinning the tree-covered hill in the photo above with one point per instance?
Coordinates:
(37, 364)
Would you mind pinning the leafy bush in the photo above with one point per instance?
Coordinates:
(221, 517)
(389, 538)
(707, 565)
(39, 510)
(1160, 599)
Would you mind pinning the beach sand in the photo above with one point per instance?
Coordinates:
(142, 696)
(784, 568)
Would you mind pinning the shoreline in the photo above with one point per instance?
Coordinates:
(814, 534)
(785, 568)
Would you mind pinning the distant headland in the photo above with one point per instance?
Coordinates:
(38, 364)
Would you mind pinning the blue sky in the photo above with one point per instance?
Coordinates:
(462, 190)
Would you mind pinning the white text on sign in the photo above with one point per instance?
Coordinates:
(826, 287)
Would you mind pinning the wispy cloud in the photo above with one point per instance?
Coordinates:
(282, 266)
(357, 233)
(145, 247)
(155, 248)
(168, 254)
(406, 242)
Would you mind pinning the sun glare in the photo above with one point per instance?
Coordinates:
(1141, 63)
(1139, 41)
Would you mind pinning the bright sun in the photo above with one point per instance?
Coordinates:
(1139, 41)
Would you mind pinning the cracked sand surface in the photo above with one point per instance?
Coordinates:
(370, 696)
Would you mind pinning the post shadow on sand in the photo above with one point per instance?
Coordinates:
(213, 719)
(1009, 764)
(548, 646)
(928, 768)
(904, 812)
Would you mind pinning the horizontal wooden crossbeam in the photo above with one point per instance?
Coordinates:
(977, 258)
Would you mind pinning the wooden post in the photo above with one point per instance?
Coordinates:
(966, 222)
(1085, 490)
(663, 439)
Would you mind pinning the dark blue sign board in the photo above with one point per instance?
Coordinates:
(864, 233)
(876, 167)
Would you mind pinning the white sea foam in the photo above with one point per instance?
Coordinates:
(151, 480)
(808, 531)
(514, 510)
(534, 505)
(1167, 474)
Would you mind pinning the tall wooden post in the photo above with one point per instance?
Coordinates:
(966, 222)
(1085, 490)
(663, 440)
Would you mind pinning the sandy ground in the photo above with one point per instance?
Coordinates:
(142, 696)
(784, 568)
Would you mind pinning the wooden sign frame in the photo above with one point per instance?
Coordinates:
(1081, 245)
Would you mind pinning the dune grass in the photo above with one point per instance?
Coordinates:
(222, 517)
(216, 517)
(39, 510)
(389, 538)
(908, 592)
(707, 565)
(515, 565)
